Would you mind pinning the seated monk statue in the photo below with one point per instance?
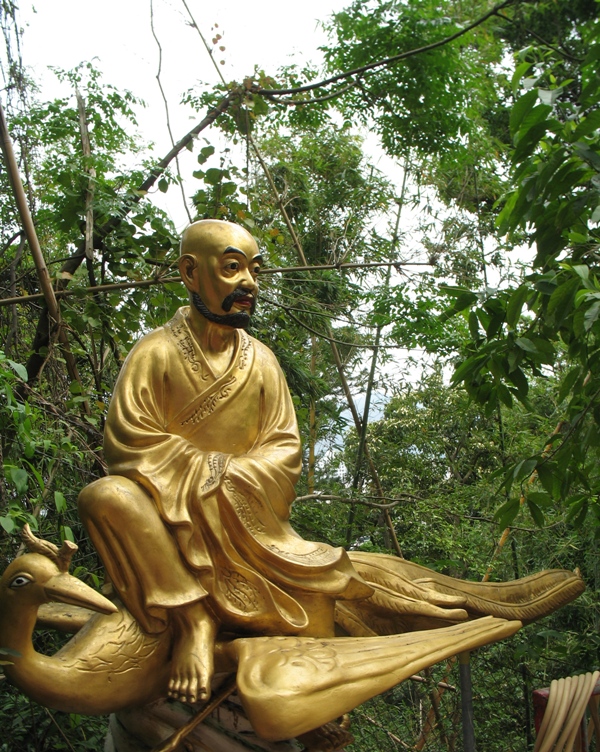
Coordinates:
(203, 451)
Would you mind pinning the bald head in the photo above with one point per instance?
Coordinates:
(212, 236)
(219, 265)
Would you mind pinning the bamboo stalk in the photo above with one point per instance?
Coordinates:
(35, 248)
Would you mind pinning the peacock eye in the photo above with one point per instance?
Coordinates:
(20, 581)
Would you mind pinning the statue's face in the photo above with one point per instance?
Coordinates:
(219, 265)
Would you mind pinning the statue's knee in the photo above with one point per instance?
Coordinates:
(105, 495)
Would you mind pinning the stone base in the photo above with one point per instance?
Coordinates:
(226, 730)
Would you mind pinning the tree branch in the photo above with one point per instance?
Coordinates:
(42, 334)
(386, 61)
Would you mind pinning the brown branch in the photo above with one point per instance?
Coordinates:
(91, 171)
(14, 318)
(194, 25)
(328, 337)
(386, 61)
(407, 498)
(312, 100)
(110, 286)
(343, 265)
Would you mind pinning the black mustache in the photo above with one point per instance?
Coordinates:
(239, 292)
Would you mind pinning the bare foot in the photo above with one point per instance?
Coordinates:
(193, 653)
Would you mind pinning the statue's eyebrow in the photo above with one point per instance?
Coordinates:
(233, 249)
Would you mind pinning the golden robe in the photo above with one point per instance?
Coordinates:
(219, 457)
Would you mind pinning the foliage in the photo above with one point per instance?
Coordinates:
(550, 319)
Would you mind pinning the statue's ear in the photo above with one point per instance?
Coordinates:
(187, 265)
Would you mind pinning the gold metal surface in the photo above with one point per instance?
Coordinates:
(192, 525)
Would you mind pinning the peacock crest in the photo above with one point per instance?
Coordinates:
(60, 556)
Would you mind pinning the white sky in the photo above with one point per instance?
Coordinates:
(117, 36)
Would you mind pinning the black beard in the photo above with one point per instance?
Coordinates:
(239, 320)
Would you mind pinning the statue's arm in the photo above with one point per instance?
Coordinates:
(273, 465)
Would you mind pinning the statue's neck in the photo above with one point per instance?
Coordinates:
(216, 341)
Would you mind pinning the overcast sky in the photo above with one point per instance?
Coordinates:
(117, 36)
(117, 33)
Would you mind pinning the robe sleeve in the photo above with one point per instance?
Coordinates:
(271, 469)
(136, 443)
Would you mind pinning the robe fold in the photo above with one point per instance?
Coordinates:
(220, 456)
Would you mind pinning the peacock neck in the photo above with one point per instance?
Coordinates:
(16, 630)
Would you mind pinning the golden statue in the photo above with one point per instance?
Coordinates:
(192, 525)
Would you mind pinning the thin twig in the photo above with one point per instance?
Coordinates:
(60, 731)
(173, 742)
(194, 25)
(166, 104)
(542, 40)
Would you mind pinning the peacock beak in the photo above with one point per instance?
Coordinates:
(68, 589)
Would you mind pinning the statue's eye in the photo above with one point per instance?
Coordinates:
(20, 581)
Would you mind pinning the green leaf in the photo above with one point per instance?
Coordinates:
(504, 395)
(468, 367)
(591, 316)
(564, 295)
(60, 502)
(506, 514)
(588, 125)
(540, 498)
(36, 473)
(163, 185)
(20, 370)
(205, 153)
(536, 512)
(75, 387)
(66, 533)
(577, 510)
(519, 379)
(567, 383)
(521, 107)
(529, 141)
(524, 469)
(474, 326)
(20, 478)
(549, 478)
(515, 305)
(213, 176)
(520, 71)
(526, 345)
(8, 524)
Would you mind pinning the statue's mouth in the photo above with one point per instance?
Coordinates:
(247, 301)
(242, 297)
